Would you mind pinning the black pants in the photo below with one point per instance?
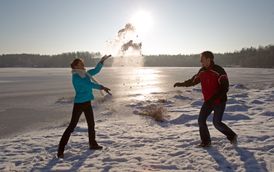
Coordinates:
(78, 108)
(217, 122)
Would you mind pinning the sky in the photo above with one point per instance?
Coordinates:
(165, 26)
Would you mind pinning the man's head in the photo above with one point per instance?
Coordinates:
(77, 64)
(207, 58)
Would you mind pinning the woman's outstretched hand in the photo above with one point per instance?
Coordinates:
(107, 90)
(104, 58)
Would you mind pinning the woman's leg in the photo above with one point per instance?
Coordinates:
(76, 112)
(91, 126)
(90, 120)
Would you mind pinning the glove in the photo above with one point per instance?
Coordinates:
(178, 84)
(104, 58)
(107, 90)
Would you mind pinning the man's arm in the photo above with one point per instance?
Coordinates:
(188, 83)
(191, 82)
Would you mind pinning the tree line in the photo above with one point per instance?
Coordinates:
(261, 57)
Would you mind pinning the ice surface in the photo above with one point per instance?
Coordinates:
(36, 107)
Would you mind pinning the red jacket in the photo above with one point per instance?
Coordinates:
(214, 83)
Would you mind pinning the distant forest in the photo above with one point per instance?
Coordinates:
(262, 57)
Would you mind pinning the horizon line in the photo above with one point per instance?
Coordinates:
(94, 52)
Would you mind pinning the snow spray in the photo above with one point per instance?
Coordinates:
(125, 48)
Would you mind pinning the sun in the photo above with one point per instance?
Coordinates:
(142, 21)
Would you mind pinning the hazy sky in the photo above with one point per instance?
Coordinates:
(176, 26)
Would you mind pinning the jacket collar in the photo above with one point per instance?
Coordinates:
(80, 72)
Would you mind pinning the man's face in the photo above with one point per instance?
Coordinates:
(205, 61)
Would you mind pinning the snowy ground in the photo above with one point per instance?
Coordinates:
(133, 142)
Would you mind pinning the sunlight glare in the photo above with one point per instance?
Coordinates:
(146, 80)
(142, 20)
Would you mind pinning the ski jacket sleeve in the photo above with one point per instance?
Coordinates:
(80, 85)
(193, 81)
(96, 70)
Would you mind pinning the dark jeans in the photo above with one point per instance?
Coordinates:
(217, 121)
(78, 108)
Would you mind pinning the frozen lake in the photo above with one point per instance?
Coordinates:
(34, 98)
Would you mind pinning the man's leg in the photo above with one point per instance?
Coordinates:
(204, 133)
(76, 112)
(219, 125)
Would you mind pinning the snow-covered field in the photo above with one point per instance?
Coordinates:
(36, 104)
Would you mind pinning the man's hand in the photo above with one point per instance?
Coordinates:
(178, 84)
(107, 90)
(104, 58)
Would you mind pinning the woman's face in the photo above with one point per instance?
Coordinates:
(80, 65)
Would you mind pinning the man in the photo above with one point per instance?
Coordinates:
(214, 82)
(82, 102)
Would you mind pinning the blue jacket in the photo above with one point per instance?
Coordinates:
(83, 86)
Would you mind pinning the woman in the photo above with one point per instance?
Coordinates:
(82, 101)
